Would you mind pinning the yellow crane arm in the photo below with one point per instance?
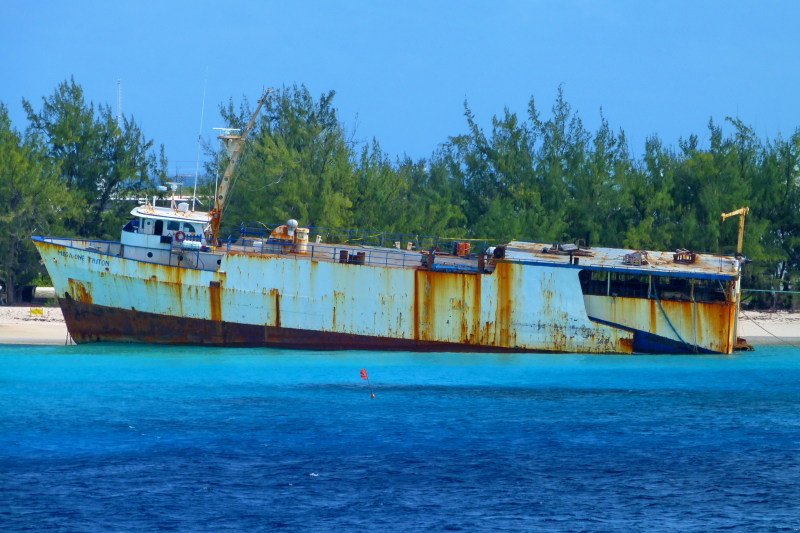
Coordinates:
(234, 144)
(742, 213)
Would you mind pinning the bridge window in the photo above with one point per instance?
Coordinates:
(173, 225)
(132, 226)
(618, 284)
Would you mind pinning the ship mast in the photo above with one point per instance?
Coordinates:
(233, 144)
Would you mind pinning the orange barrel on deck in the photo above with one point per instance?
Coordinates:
(462, 249)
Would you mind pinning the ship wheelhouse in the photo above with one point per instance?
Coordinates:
(157, 230)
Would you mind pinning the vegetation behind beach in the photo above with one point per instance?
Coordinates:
(75, 169)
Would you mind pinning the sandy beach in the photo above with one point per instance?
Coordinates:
(32, 325)
(45, 325)
(760, 328)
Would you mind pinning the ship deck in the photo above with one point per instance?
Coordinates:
(705, 266)
(364, 255)
(613, 259)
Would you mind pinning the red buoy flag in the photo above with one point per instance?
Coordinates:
(364, 373)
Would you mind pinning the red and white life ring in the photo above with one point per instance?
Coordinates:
(180, 236)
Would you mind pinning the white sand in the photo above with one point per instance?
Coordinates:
(780, 327)
(21, 325)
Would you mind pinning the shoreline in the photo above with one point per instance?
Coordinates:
(763, 328)
(25, 325)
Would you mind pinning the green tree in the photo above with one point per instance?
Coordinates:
(776, 202)
(382, 193)
(299, 163)
(33, 200)
(499, 178)
(646, 201)
(102, 161)
(599, 167)
(533, 178)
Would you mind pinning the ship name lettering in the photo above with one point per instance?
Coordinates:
(69, 255)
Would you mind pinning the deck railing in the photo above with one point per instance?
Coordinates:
(415, 241)
(208, 259)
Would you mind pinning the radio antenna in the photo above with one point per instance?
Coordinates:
(199, 139)
(119, 103)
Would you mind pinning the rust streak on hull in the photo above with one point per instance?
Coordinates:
(503, 317)
(215, 301)
(79, 292)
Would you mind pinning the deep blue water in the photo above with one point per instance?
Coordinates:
(115, 437)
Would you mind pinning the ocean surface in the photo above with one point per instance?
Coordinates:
(120, 437)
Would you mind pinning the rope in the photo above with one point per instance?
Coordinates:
(790, 343)
(774, 291)
(675, 331)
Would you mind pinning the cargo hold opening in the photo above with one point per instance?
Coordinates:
(663, 287)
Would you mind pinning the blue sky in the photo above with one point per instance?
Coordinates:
(402, 70)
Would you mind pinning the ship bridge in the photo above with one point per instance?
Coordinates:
(162, 228)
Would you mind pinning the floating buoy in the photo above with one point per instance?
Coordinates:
(365, 377)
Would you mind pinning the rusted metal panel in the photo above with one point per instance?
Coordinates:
(518, 307)
(93, 323)
(80, 290)
(707, 325)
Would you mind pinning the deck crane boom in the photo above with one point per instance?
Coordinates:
(234, 142)
(742, 212)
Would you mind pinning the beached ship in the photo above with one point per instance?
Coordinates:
(168, 280)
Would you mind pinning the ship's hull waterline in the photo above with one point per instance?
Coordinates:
(284, 301)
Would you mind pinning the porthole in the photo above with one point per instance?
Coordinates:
(149, 254)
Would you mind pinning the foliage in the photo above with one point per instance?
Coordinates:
(535, 176)
(101, 161)
(32, 201)
(532, 178)
(298, 164)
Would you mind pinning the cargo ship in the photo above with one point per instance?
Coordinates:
(170, 280)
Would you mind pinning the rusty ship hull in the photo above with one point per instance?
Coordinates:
(278, 296)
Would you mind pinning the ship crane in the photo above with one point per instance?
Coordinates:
(742, 213)
(234, 142)
(739, 343)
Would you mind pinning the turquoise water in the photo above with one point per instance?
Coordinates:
(139, 437)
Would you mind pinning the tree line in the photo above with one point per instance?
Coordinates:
(540, 176)
(68, 173)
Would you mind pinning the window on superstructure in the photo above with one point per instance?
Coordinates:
(593, 282)
(132, 226)
(618, 284)
(712, 290)
(173, 225)
(677, 289)
(629, 285)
